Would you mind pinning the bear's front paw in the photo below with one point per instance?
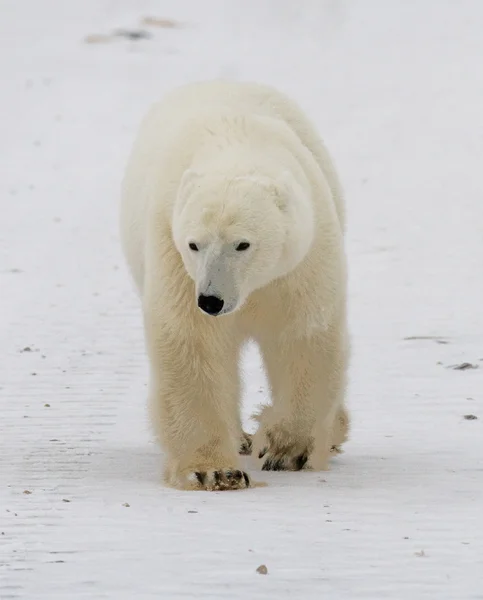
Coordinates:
(220, 479)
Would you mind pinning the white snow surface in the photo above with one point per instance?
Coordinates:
(396, 89)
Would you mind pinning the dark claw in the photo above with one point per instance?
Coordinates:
(263, 452)
(300, 461)
(233, 477)
(223, 480)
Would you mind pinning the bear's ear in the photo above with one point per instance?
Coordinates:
(285, 191)
(189, 177)
(279, 190)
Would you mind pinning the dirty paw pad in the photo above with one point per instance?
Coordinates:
(222, 479)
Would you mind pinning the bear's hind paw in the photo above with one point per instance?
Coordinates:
(246, 444)
(283, 462)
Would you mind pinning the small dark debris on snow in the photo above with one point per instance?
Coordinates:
(131, 34)
(262, 570)
(470, 417)
(420, 553)
(193, 511)
(26, 349)
(127, 505)
(464, 366)
(47, 405)
(65, 500)
(27, 492)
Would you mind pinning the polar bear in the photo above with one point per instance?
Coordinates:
(232, 225)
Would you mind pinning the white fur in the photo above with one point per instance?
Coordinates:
(217, 164)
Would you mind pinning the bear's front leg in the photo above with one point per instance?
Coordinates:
(307, 378)
(194, 401)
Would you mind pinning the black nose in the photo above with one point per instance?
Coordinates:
(210, 304)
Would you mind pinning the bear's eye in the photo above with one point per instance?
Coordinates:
(193, 247)
(242, 246)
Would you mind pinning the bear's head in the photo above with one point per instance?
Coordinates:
(237, 234)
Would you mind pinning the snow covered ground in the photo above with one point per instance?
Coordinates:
(396, 88)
